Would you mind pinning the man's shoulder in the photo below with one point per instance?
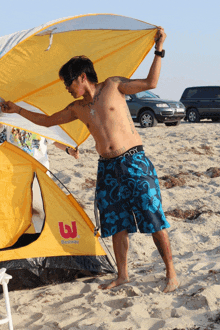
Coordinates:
(74, 105)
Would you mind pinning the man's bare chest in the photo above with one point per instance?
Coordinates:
(103, 105)
(107, 102)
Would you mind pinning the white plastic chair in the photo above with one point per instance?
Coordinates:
(4, 279)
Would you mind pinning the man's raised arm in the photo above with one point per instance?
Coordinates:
(132, 86)
(61, 117)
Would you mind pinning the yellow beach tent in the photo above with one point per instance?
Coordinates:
(66, 244)
(30, 61)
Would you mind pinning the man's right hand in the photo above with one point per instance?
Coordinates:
(9, 107)
(74, 152)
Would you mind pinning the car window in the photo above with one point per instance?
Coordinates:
(146, 94)
(202, 93)
(209, 93)
(216, 92)
(192, 93)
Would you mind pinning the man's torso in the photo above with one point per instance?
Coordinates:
(108, 120)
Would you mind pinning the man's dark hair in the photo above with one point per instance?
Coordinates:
(75, 67)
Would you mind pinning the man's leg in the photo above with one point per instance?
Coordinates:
(162, 243)
(120, 245)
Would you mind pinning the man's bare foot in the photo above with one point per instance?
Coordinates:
(114, 283)
(172, 284)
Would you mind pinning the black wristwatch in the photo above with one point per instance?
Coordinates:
(67, 150)
(161, 54)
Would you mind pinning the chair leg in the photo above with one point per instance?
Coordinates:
(7, 304)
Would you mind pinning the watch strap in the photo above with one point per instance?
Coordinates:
(161, 54)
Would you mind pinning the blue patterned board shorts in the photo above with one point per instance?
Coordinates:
(128, 186)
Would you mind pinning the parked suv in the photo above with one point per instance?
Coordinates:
(149, 109)
(201, 103)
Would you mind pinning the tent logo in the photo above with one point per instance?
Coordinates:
(66, 231)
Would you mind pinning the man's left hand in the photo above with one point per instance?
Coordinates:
(160, 38)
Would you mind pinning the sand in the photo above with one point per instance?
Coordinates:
(187, 162)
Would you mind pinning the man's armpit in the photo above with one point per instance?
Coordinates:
(123, 80)
(120, 79)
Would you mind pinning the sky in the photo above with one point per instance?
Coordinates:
(193, 33)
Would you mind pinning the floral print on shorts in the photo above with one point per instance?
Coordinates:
(128, 196)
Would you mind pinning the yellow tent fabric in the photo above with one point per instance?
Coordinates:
(15, 195)
(29, 70)
(67, 229)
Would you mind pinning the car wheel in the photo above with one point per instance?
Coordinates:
(176, 123)
(147, 119)
(193, 115)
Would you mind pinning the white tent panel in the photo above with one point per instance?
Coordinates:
(55, 133)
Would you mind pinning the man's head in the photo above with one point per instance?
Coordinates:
(75, 67)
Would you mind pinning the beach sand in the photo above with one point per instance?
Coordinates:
(186, 158)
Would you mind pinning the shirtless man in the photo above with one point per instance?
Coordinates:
(127, 181)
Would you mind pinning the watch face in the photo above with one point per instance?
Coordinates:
(163, 53)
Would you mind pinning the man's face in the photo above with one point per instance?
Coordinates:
(76, 88)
